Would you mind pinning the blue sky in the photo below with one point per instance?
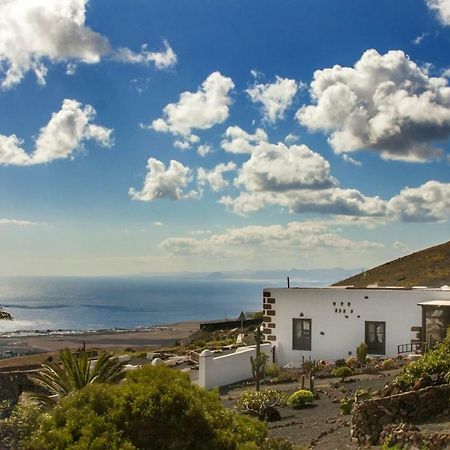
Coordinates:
(204, 135)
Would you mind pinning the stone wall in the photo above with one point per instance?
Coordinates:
(409, 436)
(10, 387)
(370, 417)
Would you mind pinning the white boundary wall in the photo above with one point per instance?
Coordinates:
(216, 371)
(337, 334)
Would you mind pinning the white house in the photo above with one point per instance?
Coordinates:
(329, 323)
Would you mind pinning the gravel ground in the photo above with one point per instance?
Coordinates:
(319, 426)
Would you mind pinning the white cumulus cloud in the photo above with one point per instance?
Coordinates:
(442, 8)
(275, 97)
(214, 177)
(161, 60)
(202, 109)
(295, 236)
(36, 31)
(429, 202)
(239, 141)
(162, 183)
(276, 167)
(385, 103)
(60, 138)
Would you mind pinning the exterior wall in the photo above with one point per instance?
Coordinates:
(228, 369)
(337, 334)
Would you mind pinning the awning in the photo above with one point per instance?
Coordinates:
(435, 303)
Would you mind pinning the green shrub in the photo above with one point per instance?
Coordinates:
(346, 405)
(273, 370)
(300, 399)
(436, 361)
(154, 408)
(17, 423)
(261, 403)
(342, 372)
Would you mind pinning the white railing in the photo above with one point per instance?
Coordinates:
(216, 371)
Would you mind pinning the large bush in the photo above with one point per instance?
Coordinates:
(155, 408)
(434, 362)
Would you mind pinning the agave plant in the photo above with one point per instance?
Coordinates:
(75, 372)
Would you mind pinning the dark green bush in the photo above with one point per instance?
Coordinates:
(300, 399)
(155, 408)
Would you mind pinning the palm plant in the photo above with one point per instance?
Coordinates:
(73, 373)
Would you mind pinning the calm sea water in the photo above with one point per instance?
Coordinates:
(117, 302)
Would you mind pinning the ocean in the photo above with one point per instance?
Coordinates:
(70, 304)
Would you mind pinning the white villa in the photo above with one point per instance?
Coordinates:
(329, 323)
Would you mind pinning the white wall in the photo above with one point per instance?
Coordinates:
(216, 371)
(341, 335)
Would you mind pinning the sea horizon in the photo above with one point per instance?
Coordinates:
(62, 304)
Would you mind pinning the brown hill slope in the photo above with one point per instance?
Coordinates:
(429, 267)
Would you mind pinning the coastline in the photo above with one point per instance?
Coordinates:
(51, 342)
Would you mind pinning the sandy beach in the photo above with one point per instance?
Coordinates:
(162, 335)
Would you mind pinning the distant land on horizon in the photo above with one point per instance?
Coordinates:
(296, 276)
(428, 267)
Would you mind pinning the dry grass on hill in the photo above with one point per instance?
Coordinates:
(429, 267)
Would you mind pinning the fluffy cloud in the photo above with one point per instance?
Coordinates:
(239, 141)
(298, 179)
(294, 236)
(442, 8)
(204, 150)
(429, 202)
(385, 103)
(162, 183)
(275, 97)
(214, 177)
(276, 167)
(60, 138)
(197, 110)
(348, 202)
(34, 31)
(161, 60)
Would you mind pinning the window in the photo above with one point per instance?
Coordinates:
(301, 334)
(376, 338)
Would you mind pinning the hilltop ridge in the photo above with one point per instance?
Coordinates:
(429, 267)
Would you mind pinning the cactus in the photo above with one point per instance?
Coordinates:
(259, 361)
(361, 354)
(310, 368)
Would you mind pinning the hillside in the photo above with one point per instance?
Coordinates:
(429, 267)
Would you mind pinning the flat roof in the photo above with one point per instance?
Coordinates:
(435, 303)
(377, 288)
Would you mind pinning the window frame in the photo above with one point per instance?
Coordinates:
(301, 343)
(366, 337)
